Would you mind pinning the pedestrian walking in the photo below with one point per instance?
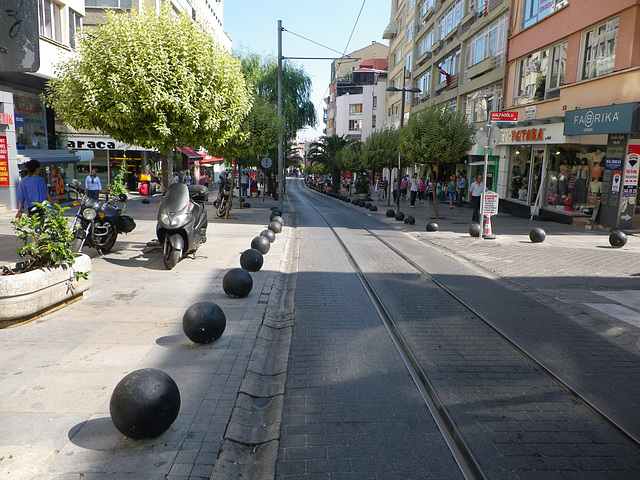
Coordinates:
(422, 190)
(386, 186)
(475, 195)
(244, 184)
(413, 189)
(32, 189)
(92, 185)
(404, 184)
(187, 179)
(395, 190)
(430, 190)
(380, 187)
(462, 187)
(451, 190)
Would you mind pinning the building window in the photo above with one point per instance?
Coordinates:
(355, 109)
(108, 3)
(488, 43)
(477, 105)
(541, 74)
(426, 6)
(410, 31)
(450, 20)
(450, 65)
(50, 25)
(373, 121)
(374, 104)
(600, 49)
(424, 83)
(408, 61)
(30, 120)
(399, 55)
(355, 125)
(426, 43)
(75, 25)
(536, 10)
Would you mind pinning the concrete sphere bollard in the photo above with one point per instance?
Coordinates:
(246, 205)
(432, 227)
(409, 220)
(269, 235)
(146, 201)
(278, 218)
(391, 213)
(261, 244)
(367, 205)
(275, 213)
(251, 260)
(399, 216)
(361, 203)
(618, 239)
(275, 227)
(355, 201)
(204, 322)
(475, 229)
(144, 404)
(373, 208)
(237, 283)
(537, 235)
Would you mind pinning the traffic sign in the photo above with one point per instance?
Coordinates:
(266, 162)
(491, 203)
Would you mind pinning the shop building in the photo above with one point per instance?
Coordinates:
(574, 84)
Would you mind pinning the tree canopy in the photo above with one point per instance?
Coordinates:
(380, 150)
(326, 152)
(152, 79)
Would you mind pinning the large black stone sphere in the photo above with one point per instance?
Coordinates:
(361, 203)
(355, 201)
(251, 260)
(537, 235)
(367, 205)
(475, 229)
(409, 220)
(204, 322)
(269, 235)
(618, 239)
(246, 205)
(261, 244)
(146, 200)
(399, 216)
(144, 404)
(237, 283)
(275, 213)
(373, 208)
(275, 227)
(391, 213)
(277, 218)
(432, 227)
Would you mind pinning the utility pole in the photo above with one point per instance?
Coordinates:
(280, 146)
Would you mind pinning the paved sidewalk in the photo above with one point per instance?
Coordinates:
(57, 372)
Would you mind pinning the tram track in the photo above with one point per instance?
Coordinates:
(461, 451)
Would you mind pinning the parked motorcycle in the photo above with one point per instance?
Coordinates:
(98, 223)
(182, 222)
(223, 198)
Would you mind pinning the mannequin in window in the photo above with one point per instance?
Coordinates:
(580, 191)
(597, 169)
(563, 177)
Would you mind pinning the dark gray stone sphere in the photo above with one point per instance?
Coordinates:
(277, 218)
(367, 205)
(399, 216)
(409, 220)
(361, 203)
(144, 404)
(391, 213)
(373, 208)
(237, 283)
(355, 201)
(618, 239)
(275, 213)
(204, 322)
(432, 227)
(537, 235)
(246, 205)
(475, 229)
(251, 260)
(261, 244)
(275, 227)
(146, 201)
(269, 235)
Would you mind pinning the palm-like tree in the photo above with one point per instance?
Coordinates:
(325, 151)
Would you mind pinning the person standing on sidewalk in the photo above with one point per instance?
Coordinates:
(451, 190)
(422, 189)
(380, 189)
(404, 184)
(462, 187)
(395, 190)
(413, 189)
(32, 189)
(475, 195)
(93, 185)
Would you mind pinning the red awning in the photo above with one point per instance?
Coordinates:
(190, 153)
(210, 159)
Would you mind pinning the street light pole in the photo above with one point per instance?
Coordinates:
(487, 99)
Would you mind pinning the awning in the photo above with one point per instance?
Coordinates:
(391, 30)
(210, 159)
(47, 156)
(190, 153)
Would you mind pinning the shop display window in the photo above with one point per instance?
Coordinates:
(31, 124)
(574, 177)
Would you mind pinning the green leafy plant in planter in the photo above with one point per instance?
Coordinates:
(46, 237)
(362, 186)
(117, 187)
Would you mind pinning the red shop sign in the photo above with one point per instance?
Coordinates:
(527, 135)
(4, 162)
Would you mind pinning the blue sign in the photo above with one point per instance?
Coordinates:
(612, 119)
(613, 163)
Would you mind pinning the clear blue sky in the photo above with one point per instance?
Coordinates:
(253, 26)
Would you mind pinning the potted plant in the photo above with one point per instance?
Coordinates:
(51, 272)
(362, 188)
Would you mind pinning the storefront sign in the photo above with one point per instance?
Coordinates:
(92, 145)
(615, 183)
(504, 117)
(4, 162)
(6, 119)
(612, 119)
(491, 203)
(95, 142)
(528, 135)
(613, 164)
(632, 164)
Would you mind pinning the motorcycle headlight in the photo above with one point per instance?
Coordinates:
(89, 213)
(178, 219)
(164, 218)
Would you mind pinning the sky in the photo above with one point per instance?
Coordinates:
(253, 26)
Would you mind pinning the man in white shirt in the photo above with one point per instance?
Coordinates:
(475, 195)
(413, 188)
(93, 185)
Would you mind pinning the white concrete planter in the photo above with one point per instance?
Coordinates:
(29, 293)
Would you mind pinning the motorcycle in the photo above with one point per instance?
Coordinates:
(223, 198)
(182, 222)
(97, 223)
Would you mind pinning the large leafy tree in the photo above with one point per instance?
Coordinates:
(381, 149)
(436, 136)
(152, 79)
(325, 151)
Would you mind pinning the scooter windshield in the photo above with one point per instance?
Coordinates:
(176, 198)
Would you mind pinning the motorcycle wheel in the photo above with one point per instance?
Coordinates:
(109, 243)
(171, 257)
(222, 209)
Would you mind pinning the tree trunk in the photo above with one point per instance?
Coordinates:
(435, 197)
